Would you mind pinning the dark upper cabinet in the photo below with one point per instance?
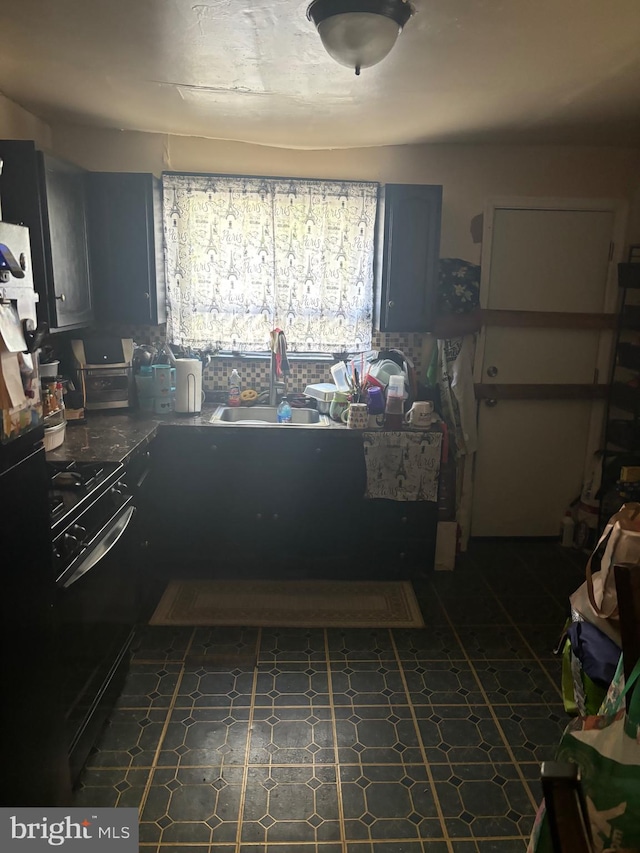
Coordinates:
(48, 196)
(406, 263)
(125, 234)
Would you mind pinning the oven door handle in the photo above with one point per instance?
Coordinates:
(103, 544)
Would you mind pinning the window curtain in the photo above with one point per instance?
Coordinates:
(247, 255)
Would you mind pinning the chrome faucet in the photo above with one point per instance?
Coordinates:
(277, 386)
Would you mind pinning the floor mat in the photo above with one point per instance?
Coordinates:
(290, 604)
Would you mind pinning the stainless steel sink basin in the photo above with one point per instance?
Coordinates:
(262, 415)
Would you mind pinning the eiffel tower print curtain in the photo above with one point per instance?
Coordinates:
(247, 255)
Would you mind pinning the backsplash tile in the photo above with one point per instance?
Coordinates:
(254, 373)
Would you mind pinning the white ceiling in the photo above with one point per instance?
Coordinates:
(536, 71)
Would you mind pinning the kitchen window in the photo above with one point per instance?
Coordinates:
(247, 255)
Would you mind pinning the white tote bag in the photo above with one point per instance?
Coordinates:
(596, 601)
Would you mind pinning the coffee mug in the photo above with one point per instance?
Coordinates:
(420, 414)
(356, 416)
(339, 404)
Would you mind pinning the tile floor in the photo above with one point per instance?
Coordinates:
(350, 741)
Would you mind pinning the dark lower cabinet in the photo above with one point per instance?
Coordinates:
(125, 234)
(277, 503)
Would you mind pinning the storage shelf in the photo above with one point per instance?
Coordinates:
(625, 397)
(630, 317)
(629, 276)
(628, 355)
(622, 437)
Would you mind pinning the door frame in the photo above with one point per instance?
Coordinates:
(619, 208)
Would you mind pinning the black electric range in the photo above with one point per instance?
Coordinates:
(92, 522)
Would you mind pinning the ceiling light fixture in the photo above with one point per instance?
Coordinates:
(359, 33)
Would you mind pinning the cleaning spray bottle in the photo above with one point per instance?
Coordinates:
(234, 388)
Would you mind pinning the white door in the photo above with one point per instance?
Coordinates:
(532, 453)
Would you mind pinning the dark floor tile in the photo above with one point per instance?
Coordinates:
(458, 733)
(208, 737)
(490, 845)
(448, 585)
(388, 801)
(226, 645)
(433, 642)
(288, 683)
(534, 610)
(346, 644)
(432, 612)
(532, 731)
(478, 803)
(211, 687)
(160, 643)
(542, 639)
(111, 788)
(292, 644)
(475, 610)
(192, 805)
(376, 735)
(516, 682)
(428, 846)
(441, 683)
(330, 847)
(129, 739)
(150, 685)
(292, 736)
(489, 642)
(291, 804)
(367, 683)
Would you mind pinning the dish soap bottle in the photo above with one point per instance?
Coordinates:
(234, 388)
(284, 412)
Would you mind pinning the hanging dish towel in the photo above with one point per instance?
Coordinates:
(279, 348)
(402, 466)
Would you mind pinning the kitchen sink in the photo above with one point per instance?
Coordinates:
(263, 415)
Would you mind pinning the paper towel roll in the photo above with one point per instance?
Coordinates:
(188, 385)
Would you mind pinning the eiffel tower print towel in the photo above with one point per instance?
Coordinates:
(402, 466)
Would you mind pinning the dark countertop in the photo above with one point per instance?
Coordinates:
(113, 436)
(116, 437)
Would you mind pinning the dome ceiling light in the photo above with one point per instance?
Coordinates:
(359, 33)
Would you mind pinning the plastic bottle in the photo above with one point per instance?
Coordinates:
(394, 408)
(568, 529)
(234, 388)
(284, 412)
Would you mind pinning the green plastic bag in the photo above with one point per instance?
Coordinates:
(580, 695)
(606, 747)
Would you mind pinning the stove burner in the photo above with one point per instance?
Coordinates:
(75, 475)
(56, 505)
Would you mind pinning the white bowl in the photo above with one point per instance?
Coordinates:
(50, 369)
(54, 436)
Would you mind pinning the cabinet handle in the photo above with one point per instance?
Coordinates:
(492, 371)
(491, 403)
(318, 450)
(214, 447)
(147, 295)
(402, 555)
(391, 303)
(404, 519)
(275, 516)
(259, 516)
(62, 297)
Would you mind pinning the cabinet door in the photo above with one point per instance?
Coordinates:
(125, 233)
(68, 251)
(21, 196)
(407, 258)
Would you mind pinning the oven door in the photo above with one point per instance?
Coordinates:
(97, 608)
